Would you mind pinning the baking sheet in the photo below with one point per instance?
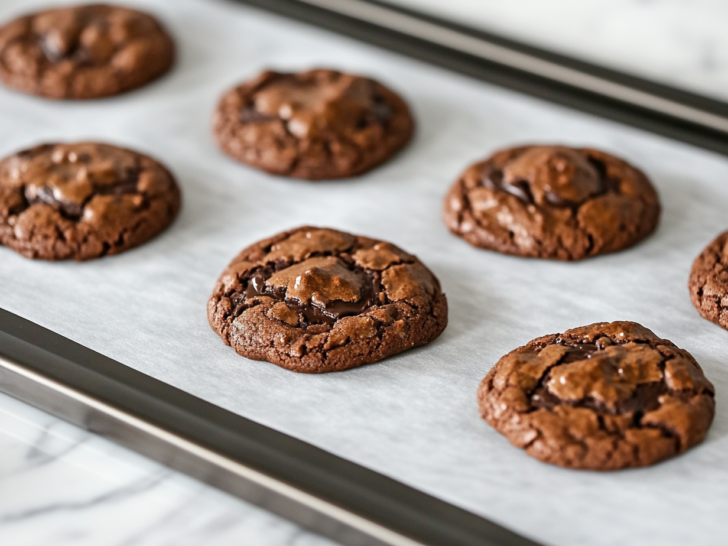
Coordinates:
(414, 416)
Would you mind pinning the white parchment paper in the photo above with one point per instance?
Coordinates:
(414, 416)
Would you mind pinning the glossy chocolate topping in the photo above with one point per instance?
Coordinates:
(323, 289)
(89, 34)
(551, 175)
(67, 177)
(312, 107)
(603, 376)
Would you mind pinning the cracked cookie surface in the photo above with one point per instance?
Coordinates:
(318, 300)
(320, 124)
(552, 202)
(708, 282)
(600, 397)
(83, 201)
(83, 52)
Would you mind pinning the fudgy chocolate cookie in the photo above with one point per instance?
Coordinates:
(319, 124)
(600, 397)
(708, 283)
(552, 202)
(83, 52)
(83, 201)
(318, 300)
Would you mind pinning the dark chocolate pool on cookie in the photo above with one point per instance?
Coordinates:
(315, 312)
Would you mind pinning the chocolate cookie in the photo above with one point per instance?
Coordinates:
(83, 201)
(318, 300)
(83, 52)
(552, 202)
(708, 283)
(316, 125)
(600, 397)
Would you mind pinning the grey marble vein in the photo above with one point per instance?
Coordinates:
(177, 514)
(125, 492)
(39, 454)
(113, 497)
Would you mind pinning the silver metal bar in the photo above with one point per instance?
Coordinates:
(314, 488)
(425, 30)
(179, 453)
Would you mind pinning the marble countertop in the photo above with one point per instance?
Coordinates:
(61, 485)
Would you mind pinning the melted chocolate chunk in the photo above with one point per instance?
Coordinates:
(644, 399)
(493, 180)
(599, 166)
(542, 398)
(19, 207)
(556, 200)
(45, 195)
(608, 183)
(581, 351)
(258, 288)
(73, 210)
(520, 189)
(312, 313)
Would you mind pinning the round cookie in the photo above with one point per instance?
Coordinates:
(318, 300)
(601, 397)
(708, 283)
(319, 124)
(83, 52)
(552, 202)
(83, 201)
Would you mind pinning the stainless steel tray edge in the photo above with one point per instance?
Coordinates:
(176, 452)
(289, 477)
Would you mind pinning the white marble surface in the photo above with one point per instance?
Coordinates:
(60, 485)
